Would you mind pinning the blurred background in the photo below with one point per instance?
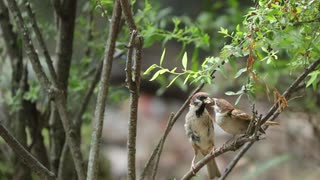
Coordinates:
(289, 151)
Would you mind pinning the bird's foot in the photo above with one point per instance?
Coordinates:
(193, 169)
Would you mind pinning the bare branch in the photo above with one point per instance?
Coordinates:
(30, 51)
(133, 83)
(235, 160)
(133, 87)
(62, 160)
(155, 168)
(103, 92)
(26, 156)
(60, 103)
(42, 44)
(128, 15)
(169, 127)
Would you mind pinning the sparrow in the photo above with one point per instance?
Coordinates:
(199, 128)
(231, 120)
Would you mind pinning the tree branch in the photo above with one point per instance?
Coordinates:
(30, 51)
(103, 92)
(26, 156)
(126, 9)
(134, 99)
(155, 168)
(133, 83)
(158, 147)
(236, 144)
(42, 44)
(235, 160)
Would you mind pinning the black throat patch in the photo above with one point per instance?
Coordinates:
(200, 111)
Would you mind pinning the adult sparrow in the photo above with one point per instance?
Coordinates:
(231, 120)
(199, 128)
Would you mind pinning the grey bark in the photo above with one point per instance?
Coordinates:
(66, 13)
(103, 92)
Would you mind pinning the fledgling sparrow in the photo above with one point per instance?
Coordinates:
(231, 120)
(199, 128)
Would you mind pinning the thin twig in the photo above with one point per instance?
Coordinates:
(133, 83)
(33, 56)
(103, 92)
(272, 114)
(126, 9)
(155, 168)
(235, 160)
(42, 44)
(254, 116)
(62, 161)
(26, 156)
(168, 128)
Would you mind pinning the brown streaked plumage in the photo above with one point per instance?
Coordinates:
(199, 128)
(231, 120)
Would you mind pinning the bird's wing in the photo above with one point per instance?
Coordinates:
(240, 115)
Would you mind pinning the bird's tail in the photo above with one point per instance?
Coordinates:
(213, 170)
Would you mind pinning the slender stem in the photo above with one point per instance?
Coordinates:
(103, 92)
(134, 97)
(30, 51)
(128, 15)
(235, 160)
(42, 44)
(155, 168)
(62, 160)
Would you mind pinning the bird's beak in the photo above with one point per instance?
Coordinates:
(208, 100)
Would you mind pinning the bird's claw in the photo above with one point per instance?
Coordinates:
(193, 169)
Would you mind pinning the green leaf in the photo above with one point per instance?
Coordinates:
(156, 75)
(223, 31)
(313, 77)
(173, 81)
(162, 56)
(240, 72)
(230, 93)
(238, 99)
(152, 67)
(185, 60)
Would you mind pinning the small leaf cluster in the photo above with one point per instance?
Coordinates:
(202, 76)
